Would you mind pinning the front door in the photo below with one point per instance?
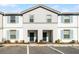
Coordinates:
(31, 37)
(44, 36)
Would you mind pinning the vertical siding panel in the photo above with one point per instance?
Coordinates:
(71, 34)
(62, 19)
(71, 19)
(62, 34)
(17, 34)
(8, 34)
(8, 19)
(17, 19)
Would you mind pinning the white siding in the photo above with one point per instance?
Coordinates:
(73, 24)
(67, 40)
(39, 15)
(6, 24)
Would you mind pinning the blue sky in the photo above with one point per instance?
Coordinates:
(20, 7)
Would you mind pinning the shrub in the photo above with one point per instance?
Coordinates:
(22, 41)
(7, 41)
(36, 40)
(57, 41)
(41, 42)
(73, 41)
(16, 41)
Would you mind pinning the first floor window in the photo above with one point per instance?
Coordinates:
(12, 34)
(66, 34)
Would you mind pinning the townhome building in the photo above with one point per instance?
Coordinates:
(39, 24)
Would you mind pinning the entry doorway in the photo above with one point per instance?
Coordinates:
(47, 35)
(32, 34)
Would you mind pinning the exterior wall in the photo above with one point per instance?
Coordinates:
(6, 24)
(78, 27)
(40, 28)
(40, 15)
(5, 37)
(1, 18)
(1, 34)
(67, 40)
(39, 24)
(72, 24)
(1, 24)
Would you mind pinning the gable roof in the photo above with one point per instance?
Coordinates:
(42, 6)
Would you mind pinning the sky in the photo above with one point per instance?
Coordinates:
(16, 8)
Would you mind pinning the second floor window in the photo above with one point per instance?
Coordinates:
(12, 19)
(49, 18)
(66, 19)
(31, 18)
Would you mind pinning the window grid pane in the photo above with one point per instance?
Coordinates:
(31, 18)
(66, 34)
(12, 19)
(48, 18)
(12, 34)
(66, 19)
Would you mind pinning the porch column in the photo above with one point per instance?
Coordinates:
(26, 36)
(40, 35)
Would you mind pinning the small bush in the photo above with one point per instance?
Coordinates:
(41, 42)
(7, 41)
(22, 41)
(73, 41)
(16, 41)
(36, 40)
(4, 41)
(57, 41)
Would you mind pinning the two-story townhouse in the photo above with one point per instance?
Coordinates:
(12, 27)
(68, 26)
(39, 23)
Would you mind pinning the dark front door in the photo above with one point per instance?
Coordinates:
(44, 36)
(31, 37)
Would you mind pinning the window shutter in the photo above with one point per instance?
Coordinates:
(8, 34)
(17, 34)
(71, 19)
(62, 19)
(17, 19)
(8, 19)
(71, 34)
(62, 34)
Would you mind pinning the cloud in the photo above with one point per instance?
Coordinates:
(9, 8)
(8, 5)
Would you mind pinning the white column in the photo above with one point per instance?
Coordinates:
(40, 35)
(47, 38)
(26, 36)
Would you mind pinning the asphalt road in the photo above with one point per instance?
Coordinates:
(38, 50)
(13, 50)
(42, 50)
(68, 50)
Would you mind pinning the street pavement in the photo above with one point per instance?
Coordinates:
(39, 50)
